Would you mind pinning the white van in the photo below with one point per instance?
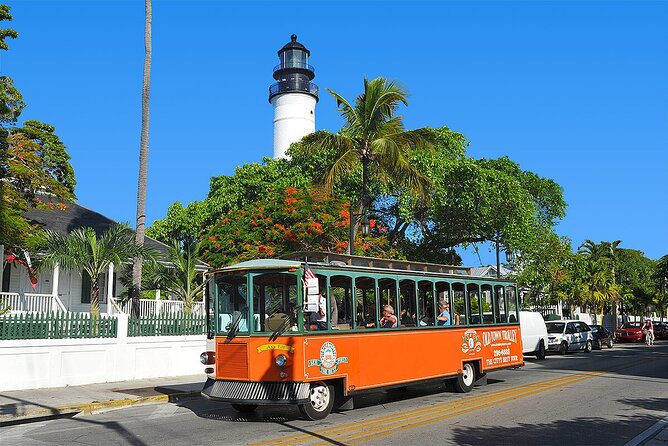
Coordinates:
(534, 334)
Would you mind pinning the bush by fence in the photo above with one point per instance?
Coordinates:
(167, 325)
(57, 326)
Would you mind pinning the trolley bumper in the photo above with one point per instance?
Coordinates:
(256, 392)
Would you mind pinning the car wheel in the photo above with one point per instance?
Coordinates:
(244, 408)
(563, 348)
(464, 381)
(321, 401)
(588, 347)
(540, 353)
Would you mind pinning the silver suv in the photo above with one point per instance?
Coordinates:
(569, 335)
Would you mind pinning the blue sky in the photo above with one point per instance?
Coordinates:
(573, 91)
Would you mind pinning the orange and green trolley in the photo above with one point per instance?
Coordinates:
(268, 344)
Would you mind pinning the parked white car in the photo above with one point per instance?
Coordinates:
(569, 335)
(534, 334)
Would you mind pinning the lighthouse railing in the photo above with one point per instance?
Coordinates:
(284, 87)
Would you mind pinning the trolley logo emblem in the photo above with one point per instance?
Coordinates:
(328, 361)
(471, 342)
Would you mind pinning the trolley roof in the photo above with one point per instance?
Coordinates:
(353, 263)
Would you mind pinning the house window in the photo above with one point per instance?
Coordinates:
(5, 277)
(86, 288)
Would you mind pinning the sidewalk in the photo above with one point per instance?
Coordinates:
(23, 406)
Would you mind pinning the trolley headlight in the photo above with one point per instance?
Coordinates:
(281, 360)
(207, 358)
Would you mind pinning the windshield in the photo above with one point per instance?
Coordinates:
(631, 325)
(269, 306)
(231, 302)
(555, 327)
(275, 302)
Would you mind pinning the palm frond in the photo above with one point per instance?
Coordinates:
(347, 162)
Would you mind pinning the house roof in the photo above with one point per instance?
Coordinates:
(490, 271)
(74, 216)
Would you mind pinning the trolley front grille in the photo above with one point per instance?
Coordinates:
(256, 392)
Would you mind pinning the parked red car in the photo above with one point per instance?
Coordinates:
(630, 331)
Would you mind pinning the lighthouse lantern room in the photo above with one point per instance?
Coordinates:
(293, 97)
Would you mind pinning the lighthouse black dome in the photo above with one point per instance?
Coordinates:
(294, 74)
(293, 44)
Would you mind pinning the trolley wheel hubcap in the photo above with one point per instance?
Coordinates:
(468, 374)
(320, 397)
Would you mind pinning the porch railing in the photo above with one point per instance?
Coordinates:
(31, 303)
(155, 307)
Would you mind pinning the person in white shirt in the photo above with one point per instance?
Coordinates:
(319, 318)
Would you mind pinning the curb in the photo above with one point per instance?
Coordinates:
(42, 414)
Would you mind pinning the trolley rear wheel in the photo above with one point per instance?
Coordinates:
(465, 380)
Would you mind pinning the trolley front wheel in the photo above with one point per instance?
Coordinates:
(321, 401)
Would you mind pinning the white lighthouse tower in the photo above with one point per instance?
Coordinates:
(293, 97)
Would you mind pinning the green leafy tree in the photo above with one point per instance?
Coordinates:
(541, 270)
(286, 221)
(478, 201)
(32, 160)
(178, 278)
(250, 182)
(372, 138)
(636, 277)
(82, 249)
(660, 277)
(11, 100)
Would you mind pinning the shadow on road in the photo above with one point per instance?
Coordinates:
(583, 431)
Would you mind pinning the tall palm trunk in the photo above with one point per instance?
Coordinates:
(95, 297)
(143, 160)
(363, 207)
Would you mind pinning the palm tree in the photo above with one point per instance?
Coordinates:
(181, 279)
(373, 137)
(607, 255)
(143, 159)
(83, 249)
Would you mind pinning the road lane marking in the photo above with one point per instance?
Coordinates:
(643, 436)
(401, 421)
(413, 415)
(409, 421)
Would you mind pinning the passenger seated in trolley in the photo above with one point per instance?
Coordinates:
(318, 319)
(443, 318)
(388, 319)
(428, 318)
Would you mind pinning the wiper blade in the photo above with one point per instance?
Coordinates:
(234, 327)
(280, 330)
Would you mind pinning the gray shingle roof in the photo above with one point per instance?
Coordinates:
(75, 216)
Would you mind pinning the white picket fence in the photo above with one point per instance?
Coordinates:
(154, 307)
(31, 302)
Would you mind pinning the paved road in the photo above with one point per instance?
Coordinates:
(603, 398)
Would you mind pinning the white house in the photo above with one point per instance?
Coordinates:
(64, 290)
